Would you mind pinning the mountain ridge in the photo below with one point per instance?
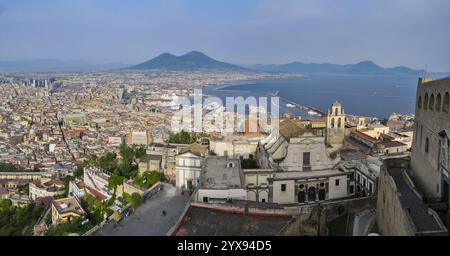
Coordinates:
(189, 61)
(366, 67)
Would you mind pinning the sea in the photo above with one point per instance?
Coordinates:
(370, 96)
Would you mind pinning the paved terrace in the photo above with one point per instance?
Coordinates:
(148, 219)
(423, 220)
(207, 222)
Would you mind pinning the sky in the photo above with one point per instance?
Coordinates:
(413, 33)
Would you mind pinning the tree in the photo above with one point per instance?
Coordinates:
(127, 168)
(183, 137)
(148, 179)
(79, 172)
(139, 152)
(126, 197)
(95, 208)
(136, 200)
(114, 181)
(117, 216)
(16, 220)
(24, 189)
(108, 162)
(64, 229)
(249, 163)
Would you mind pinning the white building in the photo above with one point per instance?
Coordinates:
(140, 138)
(311, 187)
(297, 148)
(222, 179)
(234, 146)
(50, 188)
(188, 166)
(257, 184)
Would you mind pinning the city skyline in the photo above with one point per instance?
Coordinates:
(409, 33)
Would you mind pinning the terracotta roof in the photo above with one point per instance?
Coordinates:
(365, 136)
(4, 191)
(80, 185)
(48, 200)
(96, 193)
(289, 129)
(54, 182)
(195, 148)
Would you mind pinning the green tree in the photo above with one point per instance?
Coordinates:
(249, 163)
(64, 229)
(126, 198)
(108, 162)
(148, 179)
(136, 200)
(127, 168)
(114, 181)
(24, 189)
(183, 137)
(16, 220)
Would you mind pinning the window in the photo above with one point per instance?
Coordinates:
(425, 102)
(337, 182)
(431, 107)
(419, 102)
(446, 103)
(351, 189)
(263, 200)
(339, 123)
(205, 199)
(370, 188)
(352, 176)
(332, 122)
(306, 158)
(421, 132)
(283, 187)
(438, 102)
(427, 145)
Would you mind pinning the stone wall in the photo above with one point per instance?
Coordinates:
(391, 217)
(432, 116)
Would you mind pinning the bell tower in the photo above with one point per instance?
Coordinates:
(335, 125)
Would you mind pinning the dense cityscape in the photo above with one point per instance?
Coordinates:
(309, 119)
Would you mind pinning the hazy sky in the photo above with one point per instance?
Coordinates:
(415, 33)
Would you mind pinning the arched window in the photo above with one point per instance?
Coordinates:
(421, 133)
(427, 145)
(336, 111)
(431, 102)
(230, 165)
(419, 102)
(332, 122)
(438, 102)
(416, 133)
(339, 123)
(425, 101)
(446, 103)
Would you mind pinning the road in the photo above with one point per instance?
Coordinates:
(362, 222)
(148, 219)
